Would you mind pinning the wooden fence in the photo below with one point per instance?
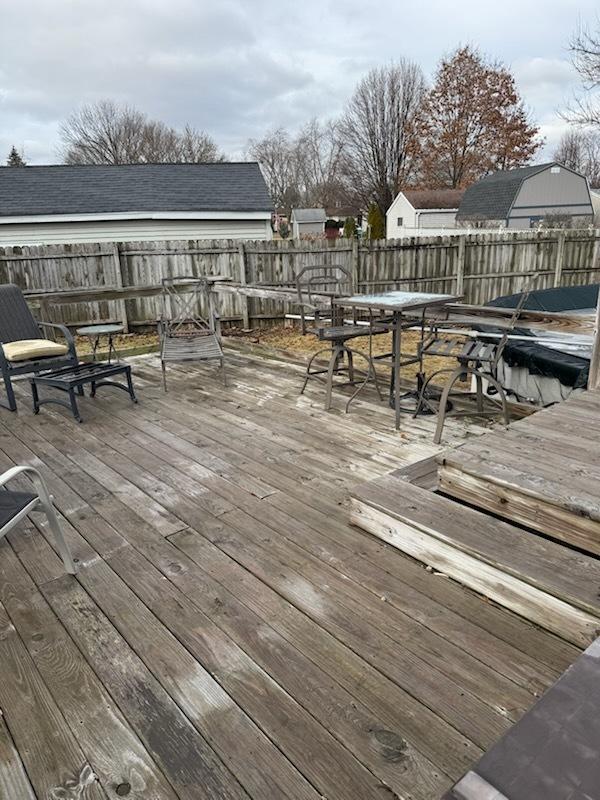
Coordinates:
(123, 279)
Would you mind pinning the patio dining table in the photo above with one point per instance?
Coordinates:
(397, 304)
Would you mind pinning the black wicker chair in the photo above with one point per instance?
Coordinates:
(19, 332)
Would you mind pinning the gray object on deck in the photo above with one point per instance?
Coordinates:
(15, 505)
(553, 752)
(17, 324)
(186, 335)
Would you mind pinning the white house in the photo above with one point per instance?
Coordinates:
(131, 202)
(414, 210)
(308, 222)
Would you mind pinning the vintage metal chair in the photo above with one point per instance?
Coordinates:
(477, 358)
(23, 348)
(15, 505)
(186, 335)
(330, 281)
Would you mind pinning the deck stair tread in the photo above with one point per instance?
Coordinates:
(569, 574)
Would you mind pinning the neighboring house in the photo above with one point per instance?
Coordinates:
(523, 198)
(308, 222)
(133, 202)
(414, 210)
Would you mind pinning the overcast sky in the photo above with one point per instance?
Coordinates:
(239, 67)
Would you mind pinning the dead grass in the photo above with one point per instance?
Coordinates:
(290, 340)
(284, 340)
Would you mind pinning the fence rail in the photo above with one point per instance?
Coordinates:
(119, 281)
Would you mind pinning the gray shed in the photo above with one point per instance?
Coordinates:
(308, 221)
(522, 198)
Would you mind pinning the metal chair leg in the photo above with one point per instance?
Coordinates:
(456, 374)
(164, 374)
(370, 371)
(502, 395)
(308, 373)
(223, 372)
(48, 507)
(11, 405)
(335, 355)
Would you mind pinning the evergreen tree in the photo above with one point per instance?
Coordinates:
(15, 159)
(375, 222)
(349, 228)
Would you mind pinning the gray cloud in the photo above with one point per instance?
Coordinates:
(238, 68)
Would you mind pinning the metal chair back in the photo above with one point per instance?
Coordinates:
(182, 299)
(332, 280)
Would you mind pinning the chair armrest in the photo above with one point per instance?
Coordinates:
(65, 332)
(13, 472)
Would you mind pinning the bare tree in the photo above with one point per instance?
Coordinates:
(379, 131)
(277, 156)
(320, 156)
(580, 150)
(585, 54)
(108, 133)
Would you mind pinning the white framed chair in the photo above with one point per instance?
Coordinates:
(15, 505)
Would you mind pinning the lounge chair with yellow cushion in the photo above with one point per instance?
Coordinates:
(23, 349)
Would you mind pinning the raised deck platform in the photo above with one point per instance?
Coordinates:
(229, 634)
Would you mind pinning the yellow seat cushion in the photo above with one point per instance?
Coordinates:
(33, 348)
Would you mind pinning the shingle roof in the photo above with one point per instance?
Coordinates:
(309, 215)
(434, 198)
(62, 189)
(492, 196)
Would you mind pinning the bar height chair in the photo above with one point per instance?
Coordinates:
(313, 283)
(477, 359)
(15, 505)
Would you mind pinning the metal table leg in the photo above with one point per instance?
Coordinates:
(397, 357)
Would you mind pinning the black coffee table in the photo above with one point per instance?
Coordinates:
(72, 379)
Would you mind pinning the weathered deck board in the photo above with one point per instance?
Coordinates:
(547, 479)
(241, 631)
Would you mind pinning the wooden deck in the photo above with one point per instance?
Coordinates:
(544, 472)
(229, 634)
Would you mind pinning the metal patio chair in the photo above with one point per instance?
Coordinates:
(24, 350)
(477, 358)
(15, 505)
(328, 325)
(185, 335)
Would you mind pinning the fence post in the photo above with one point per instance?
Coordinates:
(460, 265)
(243, 280)
(355, 256)
(119, 284)
(560, 255)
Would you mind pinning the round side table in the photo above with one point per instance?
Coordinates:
(95, 332)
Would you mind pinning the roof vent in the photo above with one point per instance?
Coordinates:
(554, 170)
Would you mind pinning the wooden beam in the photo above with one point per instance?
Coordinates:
(594, 376)
(528, 601)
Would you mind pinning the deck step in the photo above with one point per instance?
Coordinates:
(547, 583)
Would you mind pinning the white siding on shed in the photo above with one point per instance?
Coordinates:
(132, 230)
(402, 219)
